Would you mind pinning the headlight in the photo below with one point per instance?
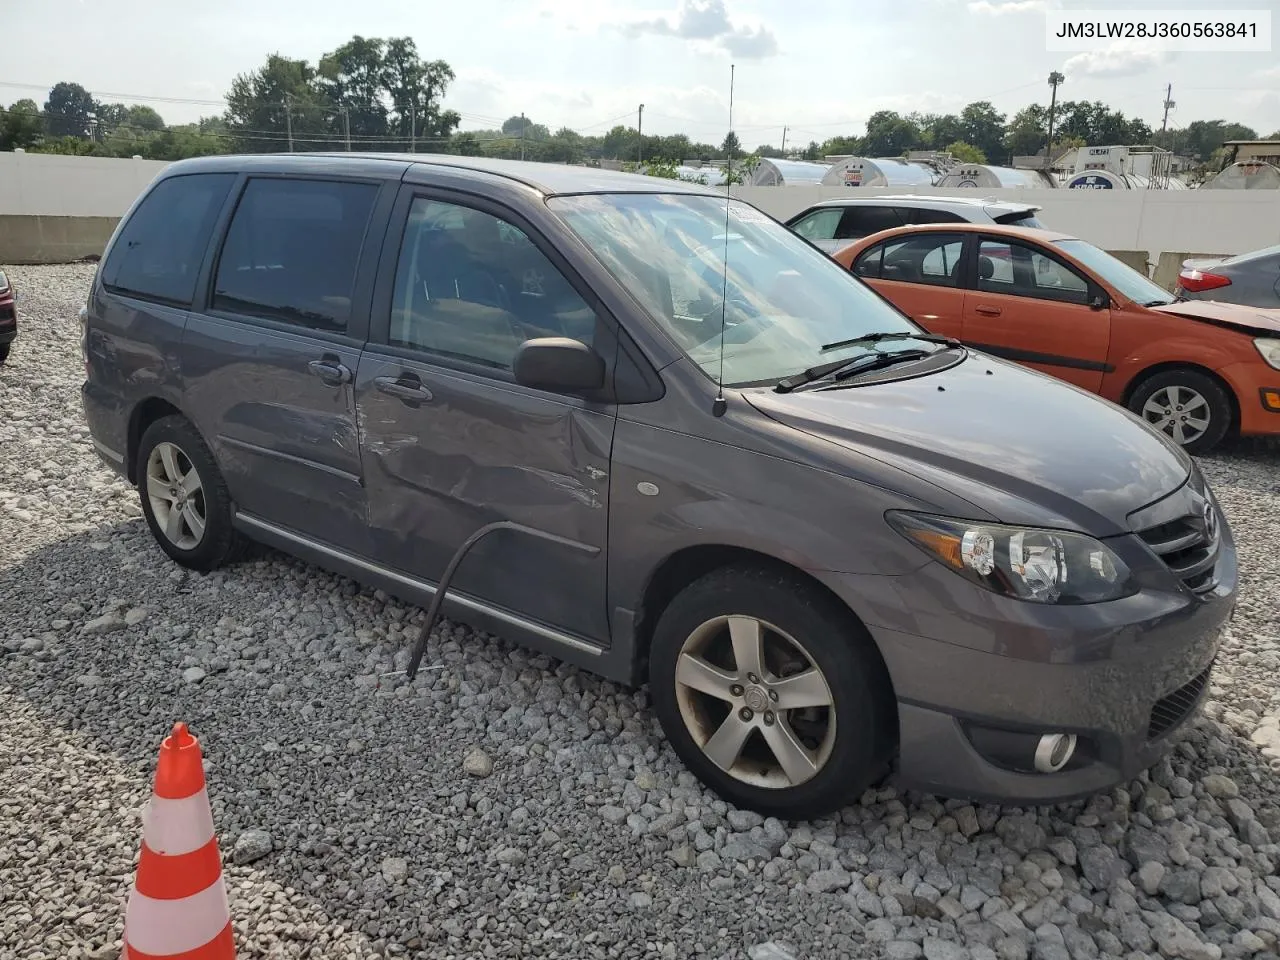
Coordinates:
(1042, 566)
(1269, 347)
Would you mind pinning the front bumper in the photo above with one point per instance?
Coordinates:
(1123, 676)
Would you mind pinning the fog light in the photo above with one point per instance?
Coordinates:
(1271, 399)
(1053, 751)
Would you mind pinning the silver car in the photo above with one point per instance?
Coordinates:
(833, 224)
(1251, 279)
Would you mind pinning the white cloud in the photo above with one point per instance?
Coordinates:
(1115, 61)
(708, 21)
(998, 7)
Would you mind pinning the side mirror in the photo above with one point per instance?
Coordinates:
(559, 365)
(1100, 302)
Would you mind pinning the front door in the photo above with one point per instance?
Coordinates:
(270, 359)
(1032, 307)
(921, 274)
(452, 443)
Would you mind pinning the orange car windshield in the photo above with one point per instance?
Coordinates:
(1118, 275)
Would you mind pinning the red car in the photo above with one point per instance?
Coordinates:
(8, 317)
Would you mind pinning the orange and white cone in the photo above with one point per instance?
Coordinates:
(178, 905)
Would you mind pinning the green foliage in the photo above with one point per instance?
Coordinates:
(21, 125)
(69, 111)
(731, 147)
(965, 152)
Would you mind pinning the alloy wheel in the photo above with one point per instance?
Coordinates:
(176, 494)
(1180, 412)
(755, 702)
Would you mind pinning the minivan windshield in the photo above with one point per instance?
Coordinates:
(1119, 275)
(783, 299)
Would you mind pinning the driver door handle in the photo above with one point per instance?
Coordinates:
(405, 387)
(988, 311)
(331, 370)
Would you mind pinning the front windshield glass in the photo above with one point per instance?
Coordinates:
(1121, 276)
(784, 300)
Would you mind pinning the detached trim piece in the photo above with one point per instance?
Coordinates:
(1049, 359)
(423, 586)
(107, 452)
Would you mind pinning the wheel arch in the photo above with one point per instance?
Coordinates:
(679, 569)
(1146, 373)
(144, 414)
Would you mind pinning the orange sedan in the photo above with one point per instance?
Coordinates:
(1197, 370)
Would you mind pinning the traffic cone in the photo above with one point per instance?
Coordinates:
(178, 905)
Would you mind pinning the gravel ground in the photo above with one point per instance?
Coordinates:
(509, 806)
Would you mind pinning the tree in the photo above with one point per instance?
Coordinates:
(966, 152)
(838, 146)
(145, 118)
(279, 97)
(111, 115)
(937, 130)
(889, 135)
(983, 126)
(731, 147)
(69, 111)
(813, 151)
(417, 90)
(1026, 132)
(767, 150)
(20, 126)
(354, 79)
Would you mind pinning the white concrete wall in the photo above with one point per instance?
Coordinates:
(46, 185)
(1195, 221)
(1191, 221)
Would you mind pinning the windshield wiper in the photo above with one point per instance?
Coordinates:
(889, 335)
(843, 369)
(1164, 303)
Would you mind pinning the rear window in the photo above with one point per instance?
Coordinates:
(157, 255)
(291, 252)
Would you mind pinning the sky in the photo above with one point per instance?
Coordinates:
(818, 67)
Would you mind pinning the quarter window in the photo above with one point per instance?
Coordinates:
(1021, 270)
(158, 253)
(472, 287)
(292, 250)
(819, 225)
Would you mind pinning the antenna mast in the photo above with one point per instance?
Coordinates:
(719, 405)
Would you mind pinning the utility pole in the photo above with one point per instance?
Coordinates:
(413, 128)
(522, 127)
(1168, 105)
(288, 120)
(784, 141)
(1055, 78)
(640, 137)
(346, 127)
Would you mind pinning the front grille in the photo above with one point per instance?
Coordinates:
(1189, 547)
(1172, 709)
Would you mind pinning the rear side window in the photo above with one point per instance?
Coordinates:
(933, 259)
(819, 225)
(292, 250)
(925, 215)
(864, 220)
(157, 255)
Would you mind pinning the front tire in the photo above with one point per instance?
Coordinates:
(1189, 407)
(772, 693)
(184, 497)
(4, 351)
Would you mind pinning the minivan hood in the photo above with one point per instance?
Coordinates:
(1251, 319)
(1019, 445)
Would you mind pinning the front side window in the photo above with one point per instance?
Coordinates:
(820, 225)
(472, 287)
(785, 300)
(1021, 270)
(292, 251)
(157, 255)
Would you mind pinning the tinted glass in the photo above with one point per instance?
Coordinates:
(819, 225)
(157, 255)
(291, 252)
(1023, 271)
(472, 287)
(923, 215)
(785, 300)
(862, 221)
(931, 258)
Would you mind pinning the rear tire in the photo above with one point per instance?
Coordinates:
(184, 497)
(1191, 408)
(730, 652)
(4, 351)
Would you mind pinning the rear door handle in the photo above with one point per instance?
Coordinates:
(406, 387)
(988, 311)
(331, 370)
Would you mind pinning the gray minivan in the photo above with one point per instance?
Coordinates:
(835, 546)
